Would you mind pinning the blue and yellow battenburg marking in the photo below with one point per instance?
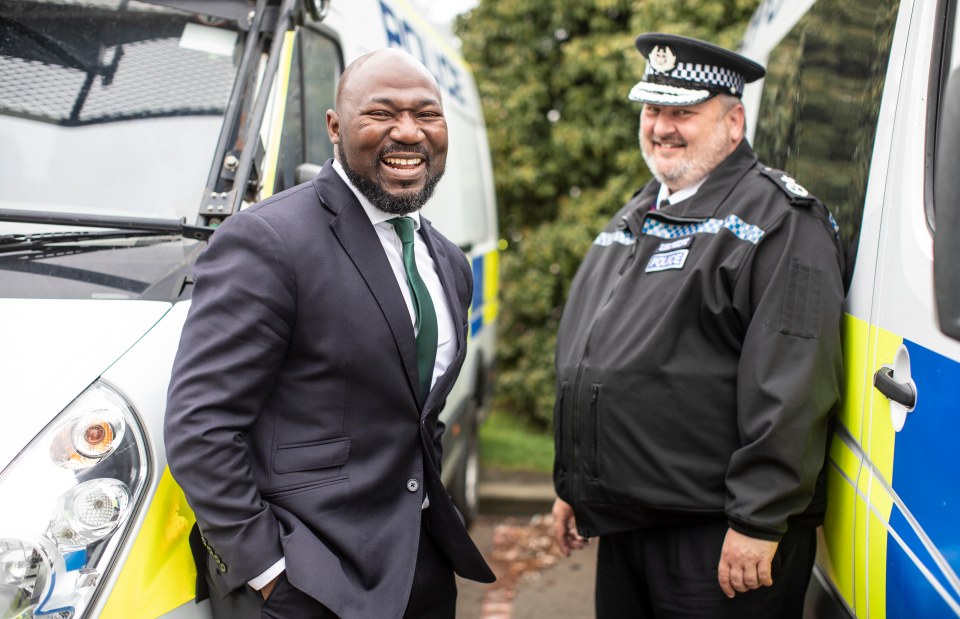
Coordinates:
(485, 305)
(892, 540)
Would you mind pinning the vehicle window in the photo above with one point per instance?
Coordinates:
(313, 84)
(820, 103)
(945, 107)
(322, 66)
(110, 107)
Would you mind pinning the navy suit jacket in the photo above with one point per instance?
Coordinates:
(293, 423)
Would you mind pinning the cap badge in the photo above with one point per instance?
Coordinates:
(662, 59)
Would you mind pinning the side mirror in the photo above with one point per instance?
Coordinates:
(946, 196)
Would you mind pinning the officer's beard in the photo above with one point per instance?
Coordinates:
(697, 161)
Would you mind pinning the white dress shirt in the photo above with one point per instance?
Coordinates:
(446, 340)
(393, 248)
(679, 194)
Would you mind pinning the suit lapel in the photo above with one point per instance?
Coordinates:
(449, 282)
(353, 229)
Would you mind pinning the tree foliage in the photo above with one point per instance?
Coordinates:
(553, 76)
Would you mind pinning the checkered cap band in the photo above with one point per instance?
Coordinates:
(709, 75)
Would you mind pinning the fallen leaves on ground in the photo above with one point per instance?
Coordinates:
(521, 549)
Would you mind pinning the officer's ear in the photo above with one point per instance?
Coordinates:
(735, 120)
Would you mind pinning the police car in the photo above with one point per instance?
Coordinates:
(128, 131)
(861, 104)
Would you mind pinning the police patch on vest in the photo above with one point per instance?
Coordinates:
(670, 260)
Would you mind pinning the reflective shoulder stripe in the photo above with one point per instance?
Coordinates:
(741, 229)
(623, 237)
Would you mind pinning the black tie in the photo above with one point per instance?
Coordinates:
(424, 311)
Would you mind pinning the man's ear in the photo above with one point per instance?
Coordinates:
(333, 126)
(735, 120)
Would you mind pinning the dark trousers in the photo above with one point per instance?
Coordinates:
(432, 596)
(671, 572)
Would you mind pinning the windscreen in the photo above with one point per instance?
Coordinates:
(110, 107)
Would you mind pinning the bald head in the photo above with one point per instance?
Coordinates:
(379, 63)
(389, 131)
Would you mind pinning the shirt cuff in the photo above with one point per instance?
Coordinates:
(272, 572)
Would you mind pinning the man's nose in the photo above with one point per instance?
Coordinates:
(406, 130)
(664, 125)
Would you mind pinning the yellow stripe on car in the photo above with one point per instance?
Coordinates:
(159, 575)
(276, 118)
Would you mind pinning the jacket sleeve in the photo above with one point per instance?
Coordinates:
(233, 342)
(789, 375)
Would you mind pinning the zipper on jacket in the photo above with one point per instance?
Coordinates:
(594, 414)
(558, 430)
(575, 431)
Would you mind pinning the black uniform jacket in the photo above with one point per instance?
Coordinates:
(698, 358)
(293, 423)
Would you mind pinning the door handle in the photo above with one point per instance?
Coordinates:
(901, 393)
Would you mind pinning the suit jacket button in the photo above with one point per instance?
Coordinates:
(413, 485)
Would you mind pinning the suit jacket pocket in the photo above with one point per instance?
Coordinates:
(311, 456)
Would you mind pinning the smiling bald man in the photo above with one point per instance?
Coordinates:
(323, 339)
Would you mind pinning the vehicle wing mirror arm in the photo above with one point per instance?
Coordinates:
(246, 74)
(252, 137)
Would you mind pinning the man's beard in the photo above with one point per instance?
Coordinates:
(387, 202)
(695, 166)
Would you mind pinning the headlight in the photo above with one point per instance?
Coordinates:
(68, 499)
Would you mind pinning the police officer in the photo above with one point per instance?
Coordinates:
(698, 363)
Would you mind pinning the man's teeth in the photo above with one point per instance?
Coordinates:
(402, 161)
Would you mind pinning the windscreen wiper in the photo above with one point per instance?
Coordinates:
(11, 243)
(143, 225)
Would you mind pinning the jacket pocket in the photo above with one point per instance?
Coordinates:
(311, 456)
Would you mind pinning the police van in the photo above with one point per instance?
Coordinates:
(128, 131)
(861, 104)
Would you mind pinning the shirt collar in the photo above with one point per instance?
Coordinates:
(680, 194)
(375, 215)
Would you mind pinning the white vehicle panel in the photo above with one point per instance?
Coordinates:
(38, 382)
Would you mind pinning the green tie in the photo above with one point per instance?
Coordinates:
(422, 306)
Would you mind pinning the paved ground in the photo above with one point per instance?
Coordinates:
(534, 581)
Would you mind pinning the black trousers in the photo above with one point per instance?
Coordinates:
(671, 572)
(433, 594)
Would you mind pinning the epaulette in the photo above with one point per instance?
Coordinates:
(797, 193)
